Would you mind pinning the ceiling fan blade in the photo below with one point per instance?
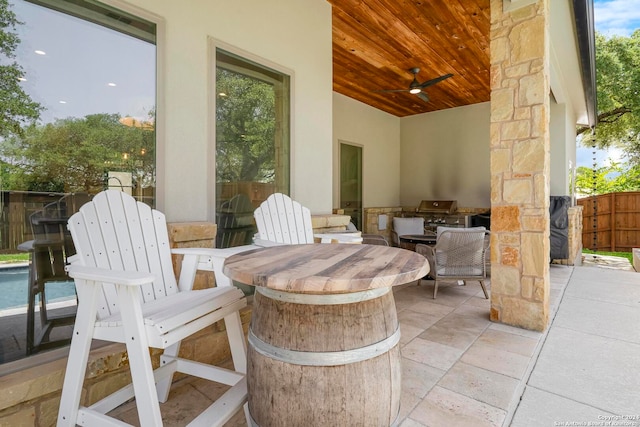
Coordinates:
(434, 81)
(423, 96)
(392, 90)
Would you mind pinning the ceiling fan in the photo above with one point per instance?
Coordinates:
(416, 87)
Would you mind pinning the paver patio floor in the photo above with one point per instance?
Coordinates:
(460, 369)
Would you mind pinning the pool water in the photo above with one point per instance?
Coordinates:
(14, 292)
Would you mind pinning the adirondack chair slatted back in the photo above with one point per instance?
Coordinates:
(283, 220)
(115, 232)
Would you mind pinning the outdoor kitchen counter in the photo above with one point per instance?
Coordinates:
(323, 341)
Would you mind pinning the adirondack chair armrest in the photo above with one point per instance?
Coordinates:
(127, 278)
(207, 259)
(26, 246)
(212, 252)
(339, 237)
(265, 243)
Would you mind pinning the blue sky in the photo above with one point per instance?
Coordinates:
(83, 68)
(613, 17)
(617, 17)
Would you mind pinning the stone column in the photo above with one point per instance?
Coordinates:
(520, 164)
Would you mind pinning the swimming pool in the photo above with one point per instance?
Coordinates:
(13, 288)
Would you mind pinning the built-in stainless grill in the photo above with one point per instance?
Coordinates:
(442, 213)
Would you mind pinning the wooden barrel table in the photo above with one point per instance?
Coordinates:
(323, 340)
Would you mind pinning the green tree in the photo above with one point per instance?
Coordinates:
(74, 154)
(617, 177)
(17, 109)
(618, 93)
(245, 128)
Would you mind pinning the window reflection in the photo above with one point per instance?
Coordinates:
(92, 81)
(252, 143)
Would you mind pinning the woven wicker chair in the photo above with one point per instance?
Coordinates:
(459, 254)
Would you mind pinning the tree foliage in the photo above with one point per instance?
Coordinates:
(245, 129)
(618, 93)
(74, 154)
(17, 109)
(614, 178)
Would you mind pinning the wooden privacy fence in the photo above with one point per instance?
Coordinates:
(611, 222)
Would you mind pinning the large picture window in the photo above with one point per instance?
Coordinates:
(82, 119)
(252, 143)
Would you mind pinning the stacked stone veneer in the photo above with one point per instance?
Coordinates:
(520, 165)
(575, 237)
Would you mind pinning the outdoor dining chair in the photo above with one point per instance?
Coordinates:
(406, 226)
(459, 254)
(127, 293)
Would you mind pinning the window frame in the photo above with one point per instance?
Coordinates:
(214, 45)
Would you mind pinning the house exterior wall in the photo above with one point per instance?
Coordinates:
(294, 35)
(379, 135)
(559, 185)
(445, 155)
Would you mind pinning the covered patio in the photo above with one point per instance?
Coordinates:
(512, 153)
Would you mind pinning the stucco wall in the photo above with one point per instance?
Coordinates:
(562, 133)
(290, 34)
(445, 155)
(379, 135)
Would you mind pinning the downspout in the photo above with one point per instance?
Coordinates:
(585, 33)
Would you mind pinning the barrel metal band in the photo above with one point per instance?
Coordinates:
(324, 358)
(326, 299)
(395, 422)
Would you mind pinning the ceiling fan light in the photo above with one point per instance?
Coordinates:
(415, 90)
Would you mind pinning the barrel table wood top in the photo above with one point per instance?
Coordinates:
(326, 268)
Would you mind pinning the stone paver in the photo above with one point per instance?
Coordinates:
(480, 384)
(444, 407)
(557, 409)
(597, 371)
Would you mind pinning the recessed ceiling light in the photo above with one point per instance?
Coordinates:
(40, 52)
(111, 84)
(62, 102)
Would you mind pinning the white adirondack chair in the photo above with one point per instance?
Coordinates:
(128, 293)
(283, 221)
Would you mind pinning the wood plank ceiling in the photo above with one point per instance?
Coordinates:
(377, 42)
